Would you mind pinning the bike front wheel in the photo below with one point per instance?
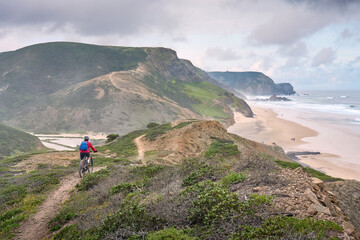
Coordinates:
(91, 165)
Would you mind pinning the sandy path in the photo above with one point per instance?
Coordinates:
(141, 149)
(36, 227)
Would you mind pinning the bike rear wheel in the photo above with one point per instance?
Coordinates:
(82, 168)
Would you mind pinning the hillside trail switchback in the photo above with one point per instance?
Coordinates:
(36, 227)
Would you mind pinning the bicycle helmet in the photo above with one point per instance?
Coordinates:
(86, 138)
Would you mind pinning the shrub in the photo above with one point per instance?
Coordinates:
(232, 178)
(147, 171)
(206, 172)
(286, 227)
(125, 187)
(69, 232)
(111, 137)
(93, 179)
(213, 204)
(222, 147)
(152, 125)
(169, 234)
(131, 216)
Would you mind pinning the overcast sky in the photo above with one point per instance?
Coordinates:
(309, 43)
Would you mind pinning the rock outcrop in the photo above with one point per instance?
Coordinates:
(347, 194)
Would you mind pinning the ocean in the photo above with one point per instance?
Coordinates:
(334, 115)
(340, 107)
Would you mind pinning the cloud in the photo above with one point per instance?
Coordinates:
(346, 34)
(298, 49)
(324, 57)
(222, 54)
(123, 17)
(299, 19)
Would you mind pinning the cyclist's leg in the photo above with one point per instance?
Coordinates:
(87, 157)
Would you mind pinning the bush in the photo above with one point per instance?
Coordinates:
(93, 179)
(147, 171)
(206, 172)
(232, 178)
(169, 234)
(131, 216)
(222, 147)
(152, 125)
(69, 232)
(125, 187)
(287, 227)
(111, 137)
(213, 204)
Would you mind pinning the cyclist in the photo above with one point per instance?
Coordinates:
(84, 151)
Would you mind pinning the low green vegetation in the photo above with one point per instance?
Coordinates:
(124, 146)
(281, 227)
(232, 178)
(293, 165)
(169, 233)
(153, 132)
(207, 99)
(222, 147)
(21, 193)
(91, 180)
(111, 137)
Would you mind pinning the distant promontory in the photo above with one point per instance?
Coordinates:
(252, 83)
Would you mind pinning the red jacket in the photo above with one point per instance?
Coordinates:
(89, 146)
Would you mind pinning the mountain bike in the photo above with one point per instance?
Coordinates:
(86, 165)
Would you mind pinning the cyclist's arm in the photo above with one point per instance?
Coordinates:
(90, 145)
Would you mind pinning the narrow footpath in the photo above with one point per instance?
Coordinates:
(36, 227)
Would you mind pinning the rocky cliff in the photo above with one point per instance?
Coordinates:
(252, 83)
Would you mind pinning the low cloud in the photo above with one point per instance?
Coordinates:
(222, 54)
(323, 57)
(346, 34)
(123, 17)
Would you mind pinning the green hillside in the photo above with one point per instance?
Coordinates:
(13, 141)
(252, 83)
(43, 69)
(108, 89)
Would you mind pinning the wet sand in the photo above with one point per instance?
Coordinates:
(338, 158)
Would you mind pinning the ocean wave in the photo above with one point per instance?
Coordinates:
(344, 96)
(357, 121)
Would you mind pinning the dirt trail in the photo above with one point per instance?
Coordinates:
(141, 149)
(36, 227)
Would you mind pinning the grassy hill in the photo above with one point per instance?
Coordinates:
(221, 186)
(252, 83)
(13, 141)
(77, 87)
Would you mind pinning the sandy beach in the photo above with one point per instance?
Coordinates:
(269, 128)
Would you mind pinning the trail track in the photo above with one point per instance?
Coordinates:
(36, 227)
(141, 149)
